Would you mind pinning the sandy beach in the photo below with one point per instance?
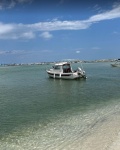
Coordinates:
(105, 135)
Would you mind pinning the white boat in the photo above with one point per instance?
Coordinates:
(63, 70)
(116, 64)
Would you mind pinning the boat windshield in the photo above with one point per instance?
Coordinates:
(56, 67)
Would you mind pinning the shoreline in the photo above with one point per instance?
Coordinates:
(49, 63)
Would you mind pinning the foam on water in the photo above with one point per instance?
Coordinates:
(67, 131)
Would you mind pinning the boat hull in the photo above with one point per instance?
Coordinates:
(115, 65)
(74, 75)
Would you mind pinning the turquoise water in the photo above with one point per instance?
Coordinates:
(37, 112)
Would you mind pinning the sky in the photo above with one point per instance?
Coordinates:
(53, 30)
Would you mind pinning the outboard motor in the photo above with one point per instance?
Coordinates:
(81, 72)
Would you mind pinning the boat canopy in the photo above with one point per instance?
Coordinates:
(65, 66)
(62, 63)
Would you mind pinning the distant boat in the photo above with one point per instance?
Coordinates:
(63, 70)
(116, 64)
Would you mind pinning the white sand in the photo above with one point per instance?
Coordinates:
(104, 136)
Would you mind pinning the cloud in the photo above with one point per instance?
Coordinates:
(15, 31)
(60, 25)
(114, 13)
(46, 35)
(97, 8)
(12, 52)
(5, 28)
(8, 4)
(28, 35)
(30, 31)
(77, 52)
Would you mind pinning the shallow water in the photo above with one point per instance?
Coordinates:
(37, 112)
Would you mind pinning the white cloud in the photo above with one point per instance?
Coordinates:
(46, 35)
(97, 8)
(29, 31)
(114, 13)
(77, 52)
(28, 35)
(5, 28)
(60, 25)
(12, 52)
(15, 31)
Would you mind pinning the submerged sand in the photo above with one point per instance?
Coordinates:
(97, 130)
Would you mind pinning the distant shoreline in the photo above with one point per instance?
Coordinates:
(48, 63)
